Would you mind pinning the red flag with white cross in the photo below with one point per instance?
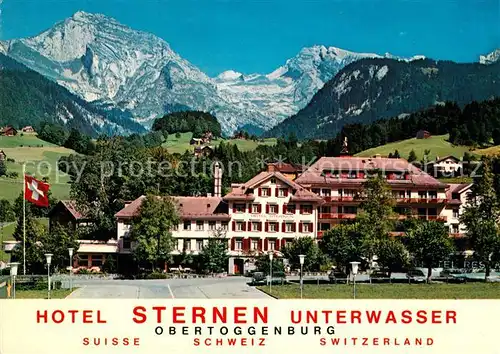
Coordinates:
(36, 192)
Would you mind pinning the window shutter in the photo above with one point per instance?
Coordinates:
(259, 245)
(266, 244)
(276, 192)
(286, 192)
(277, 245)
(249, 228)
(234, 225)
(260, 192)
(245, 244)
(250, 205)
(260, 226)
(259, 208)
(267, 227)
(300, 227)
(233, 244)
(283, 227)
(283, 243)
(301, 209)
(267, 208)
(284, 208)
(294, 227)
(234, 208)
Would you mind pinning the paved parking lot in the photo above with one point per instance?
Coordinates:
(201, 288)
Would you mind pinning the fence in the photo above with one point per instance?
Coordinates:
(4, 287)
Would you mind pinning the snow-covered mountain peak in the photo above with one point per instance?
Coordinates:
(490, 58)
(229, 75)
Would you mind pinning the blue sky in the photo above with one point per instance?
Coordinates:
(259, 35)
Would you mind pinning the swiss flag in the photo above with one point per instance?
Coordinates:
(36, 191)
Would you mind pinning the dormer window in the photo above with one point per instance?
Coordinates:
(273, 180)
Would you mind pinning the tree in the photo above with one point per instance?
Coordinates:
(213, 256)
(429, 243)
(392, 255)
(396, 154)
(412, 156)
(263, 264)
(481, 217)
(3, 169)
(36, 233)
(6, 211)
(57, 242)
(376, 218)
(151, 230)
(342, 244)
(307, 247)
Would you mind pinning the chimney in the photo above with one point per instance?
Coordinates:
(217, 180)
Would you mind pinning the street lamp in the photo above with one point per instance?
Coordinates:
(48, 256)
(270, 270)
(13, 273)
(301, 260)
(70, 250)
(354, 266)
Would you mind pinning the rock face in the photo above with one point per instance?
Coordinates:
(490, 58)
(109, 64)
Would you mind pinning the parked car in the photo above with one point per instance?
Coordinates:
(336, 276)
(379, 276)
(416, 276)
(258, 278)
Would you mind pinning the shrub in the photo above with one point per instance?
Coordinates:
(84, 271)
(9, 159)
(157, 275)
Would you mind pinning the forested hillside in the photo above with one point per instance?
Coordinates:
(189, 121)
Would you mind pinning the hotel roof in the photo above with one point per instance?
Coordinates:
(314, 174)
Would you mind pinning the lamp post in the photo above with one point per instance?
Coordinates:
(70, 251)
(13, 273)
(48, 257)
(354, 266)
(301, 260)
(270, 271)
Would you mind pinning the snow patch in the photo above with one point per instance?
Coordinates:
(382, 72)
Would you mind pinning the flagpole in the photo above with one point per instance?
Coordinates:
(24, 218)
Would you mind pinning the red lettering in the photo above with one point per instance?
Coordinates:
(341, 317)
(178, 315)
(436, 317)
(451, 316)
(373, 316)
(41, 316)
(198, 312)
(355, 315)
(87, 316)
(159, 310)
(140, 314)
(57, 316)
(421, 317)
(239, 312)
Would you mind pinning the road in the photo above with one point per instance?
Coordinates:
(199, 288)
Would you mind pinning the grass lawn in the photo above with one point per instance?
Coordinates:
(388, 291)
(41, 161)
(438, 145)
(494, 150)
(181, 144)
(42, 294)
(7, 231)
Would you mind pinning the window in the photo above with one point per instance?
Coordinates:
(289, 227)
(255, 208)
(433, 195)
(326, 210)
(254, 245)
(199, 225)
(326, 192)
(187, 245)
(199, 245)
(224, 225)
(306, 227)
(273, 180)
(349, 193)
(399, 176)
(456, 213)
(455, 196)
(187, 225)
(239, 208)
(212, 225)
(273, 209)
(282, 192)
(83, 261)
(255, 226)
(272, 245)
(306, 209)
(290, 209)
(265, 192)
(239, 226)
(350, 210)
(316, 190)
(324, 226)
(175, 227)
(352, 175)
(126, 242)
(454, 229)
(97, 260)
(238, 245)
(273, 227)
(422, 195)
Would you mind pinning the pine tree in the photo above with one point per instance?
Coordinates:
(412, 156)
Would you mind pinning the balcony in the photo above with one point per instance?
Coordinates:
(347, 216)
(328, 216)
(433, 217)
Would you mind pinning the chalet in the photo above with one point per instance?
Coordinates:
(8, 131)
(207, 137)
(195, 141)
(423, 134)
(448, 165)
(203, 151)
(28, 129)
(3, 156)
(239, 135)
(67, 214)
